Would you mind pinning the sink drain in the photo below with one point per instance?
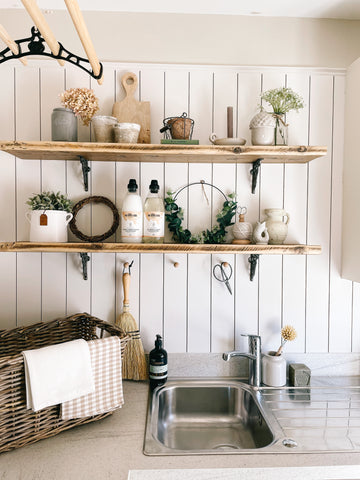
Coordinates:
(225, 446)
(288, 442)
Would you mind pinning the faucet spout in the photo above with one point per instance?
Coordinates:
(254, 355)
(227, 355)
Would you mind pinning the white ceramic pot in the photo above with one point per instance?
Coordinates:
(53, 228)
(262, 135)
(276, 225)
(126, 132)
(273, 370)
(103, 127)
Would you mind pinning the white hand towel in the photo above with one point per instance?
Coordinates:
(57, 373)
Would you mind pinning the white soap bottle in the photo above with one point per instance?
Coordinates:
(154, 215)
(131, 215)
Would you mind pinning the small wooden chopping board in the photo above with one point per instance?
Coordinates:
(131, 110)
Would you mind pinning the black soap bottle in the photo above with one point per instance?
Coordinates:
(158, 364)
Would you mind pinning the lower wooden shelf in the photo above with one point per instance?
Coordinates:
(76, 247)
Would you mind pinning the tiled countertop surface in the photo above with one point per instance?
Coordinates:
(109, 448)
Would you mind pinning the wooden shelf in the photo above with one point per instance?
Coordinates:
(159, 248)
(161, 153)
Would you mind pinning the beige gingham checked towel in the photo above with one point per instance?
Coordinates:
(105, 355)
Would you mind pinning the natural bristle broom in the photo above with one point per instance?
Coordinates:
(134, 365)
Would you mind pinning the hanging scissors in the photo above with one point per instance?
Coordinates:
(241, 210)
(221, 275)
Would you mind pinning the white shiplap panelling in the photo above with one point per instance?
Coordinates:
(185, 304)
(319, 198)
(295, 201)
(8, 199)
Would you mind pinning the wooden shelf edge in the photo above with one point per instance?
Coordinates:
(47, 150)
(74, 247)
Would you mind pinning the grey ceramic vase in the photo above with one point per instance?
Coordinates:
(63, 125)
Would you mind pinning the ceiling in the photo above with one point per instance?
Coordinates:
(339, 9)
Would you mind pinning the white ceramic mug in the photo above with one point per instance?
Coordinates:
(55, 229)
(273, 370)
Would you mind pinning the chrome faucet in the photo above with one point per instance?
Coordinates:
(254, 356)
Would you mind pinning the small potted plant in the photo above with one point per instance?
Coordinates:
(49, 217)
(77, 102)
(274, 364)
(282, 101)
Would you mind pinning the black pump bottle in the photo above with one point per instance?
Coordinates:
(158, 364)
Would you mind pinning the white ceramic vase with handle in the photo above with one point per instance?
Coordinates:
(276, 225)
(48, 225)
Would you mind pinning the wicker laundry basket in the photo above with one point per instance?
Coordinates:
(19, 426)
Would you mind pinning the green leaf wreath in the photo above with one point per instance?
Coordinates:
(174, 216)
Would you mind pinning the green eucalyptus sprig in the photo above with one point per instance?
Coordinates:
(50, 201)
(283, 100)
(174, 216)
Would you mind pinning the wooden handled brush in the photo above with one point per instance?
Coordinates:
(134, 366)
(288, 334)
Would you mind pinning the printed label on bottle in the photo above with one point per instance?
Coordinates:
(158, 368)
(153, 224)
(157, 372)
(131, 224)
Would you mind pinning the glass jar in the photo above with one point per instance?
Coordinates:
(281, 130)
(63, 125)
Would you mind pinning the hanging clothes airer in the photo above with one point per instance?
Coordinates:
(134, 366)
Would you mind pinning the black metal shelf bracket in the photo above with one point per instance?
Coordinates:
(85, 258)
(253, 260)
(85, 170)
(254, 173)
(34, 45)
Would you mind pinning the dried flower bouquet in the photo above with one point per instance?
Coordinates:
(82, 101)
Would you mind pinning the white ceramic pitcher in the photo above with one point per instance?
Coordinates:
(53, 228)
(276, 225)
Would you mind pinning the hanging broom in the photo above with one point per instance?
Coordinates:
(134, 365)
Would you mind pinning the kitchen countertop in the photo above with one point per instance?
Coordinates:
(109, 448)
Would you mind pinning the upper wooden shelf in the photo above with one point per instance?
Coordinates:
(161, 153)
(159, 248)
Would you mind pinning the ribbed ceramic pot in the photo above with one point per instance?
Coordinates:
(262, 128)
(64, 125)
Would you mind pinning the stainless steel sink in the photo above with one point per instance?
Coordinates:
(195, 416)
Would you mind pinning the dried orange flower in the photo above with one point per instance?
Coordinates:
(82, 101)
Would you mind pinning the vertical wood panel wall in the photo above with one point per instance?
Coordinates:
(192, 310)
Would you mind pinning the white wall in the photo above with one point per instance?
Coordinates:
(193, 311)
(204, 39)
(351, 220)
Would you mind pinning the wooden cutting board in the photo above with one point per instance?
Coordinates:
(131, 110)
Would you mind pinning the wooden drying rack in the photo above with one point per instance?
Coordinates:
(58, 52)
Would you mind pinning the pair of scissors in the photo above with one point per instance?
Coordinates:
(221, 275)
